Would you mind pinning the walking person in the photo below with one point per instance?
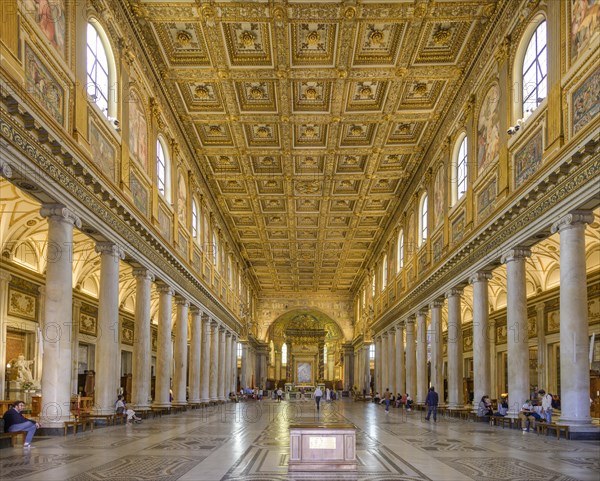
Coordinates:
(318, 396)
(546, 405)
(279, 395)
(387, 395)
(431, 401)
(14, 421)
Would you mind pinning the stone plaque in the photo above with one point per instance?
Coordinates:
(321, 442)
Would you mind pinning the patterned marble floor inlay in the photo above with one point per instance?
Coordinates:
(443, 444)
(189, 443)
(18, 467)
(501, 469)
(140, 468)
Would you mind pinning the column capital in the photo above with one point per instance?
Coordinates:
(480, 277)
(573, 219)
(5, 276)
(222, 329)
(110, 248)
(213, 324)
(399, 326)
(454, 292)
(143, 273)
(61, 213)
(436, 304)
(205, 318)
(5, 169)
(409, 320)
(77, 303)
(392, 330)
(165, 289)
(195, 310)
(384, 335)
(227, 333)
(182, 301)
(422, 311)
(515, 253)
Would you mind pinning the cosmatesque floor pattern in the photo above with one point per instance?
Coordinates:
(250, 441)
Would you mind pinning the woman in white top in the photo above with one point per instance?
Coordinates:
(121, 408)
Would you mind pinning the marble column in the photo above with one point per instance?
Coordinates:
(108, 347)
(385, 384)
(400, 369)
(234, 368)
(358, 381)
(455, 350)
(574, 343)
(493, 364)
(243, 370)
(277, 375)
(142, 351)
(180, 356)
(378, 365)
(164, 349)
(437, 380)
(221, 365)
(214, 361)
(391, 360)
(195, 356)
(366, 357)
(56, 387)
(516, 325)
(75, 345)
(422, 381)
(542, 380)
(5, 278)
(227, 365)
(205, 352)
(411, 378)
(481, 333)
(262, 365)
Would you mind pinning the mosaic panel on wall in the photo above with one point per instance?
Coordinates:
(42, 85)
(103, 153)
(486, 198)
(458, 228)
(488, 146)
(164, 223)
(528, 159)
(127, 328)
(50, 16)
(585, 102)
(585, 25)
(181, 200)
(139, 193)
(21, 304)
(439, 193)
(138, 131)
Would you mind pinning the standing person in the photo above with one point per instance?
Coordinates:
(14, 421)
(387, 397)
(318, 396)
(327, 395)
(279, 395)
(431, 401)
(546, 405)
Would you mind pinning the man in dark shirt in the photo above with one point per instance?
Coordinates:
(14, 421)
(431, 401)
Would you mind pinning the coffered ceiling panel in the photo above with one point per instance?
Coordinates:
(308, 119)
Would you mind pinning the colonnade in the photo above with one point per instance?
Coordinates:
(213, 361)
(407, 371)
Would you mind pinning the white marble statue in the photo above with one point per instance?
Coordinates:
(23, 369)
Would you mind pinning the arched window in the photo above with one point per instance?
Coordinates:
(215, 249)
(98, 69)
(384, 273)
(423, 219)
(400, 259)
(284, 355)
(460, 172)
(163, 175)
(535, 70)
(195, 220)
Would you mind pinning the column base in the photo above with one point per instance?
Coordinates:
(205, 400)
(161, 405)
(194, 401)
(141, 407)
(179, 403)
(590, 432)
(574, 421)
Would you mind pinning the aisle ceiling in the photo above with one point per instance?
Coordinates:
(309, 118)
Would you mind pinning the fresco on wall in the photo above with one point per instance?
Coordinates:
(103, 153)
(585, 25)
(181, 200)
(164, 223)
(486, 198)
(50, 16)
(139, 193)
(528, 160)
(410, 235)
(458, 228)
(42, 85)
(488, 147)
(585, 101)
(438, 246)
(138, 131)
(439, 193)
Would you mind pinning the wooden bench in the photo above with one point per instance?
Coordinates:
(108, 418)
(544, 428)
(13, 437)
(83, 422)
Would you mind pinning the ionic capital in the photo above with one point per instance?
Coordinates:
(195, 310)
(573, 219)
(110, 249)
(410, 321)
(480, 277)
(422, 312)
(5, 276)
(392, 330)
(436, 304)
(227, 334)
(142, 273)
(165, 289)
(454, 292)
(60, 213)
(5, 169)
(214, 325)
(515, 254)
(182, 301)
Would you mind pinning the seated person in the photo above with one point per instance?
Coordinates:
(398, 402)
(14, 421)
(376, 397)
(408, 402)
(485, 407)
(502, 407)
(121, 408)
(528, 416)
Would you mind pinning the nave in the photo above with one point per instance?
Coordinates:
(250, 441)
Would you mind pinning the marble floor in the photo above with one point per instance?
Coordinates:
(249, 441)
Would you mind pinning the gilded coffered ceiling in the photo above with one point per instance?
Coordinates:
(309, 118)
